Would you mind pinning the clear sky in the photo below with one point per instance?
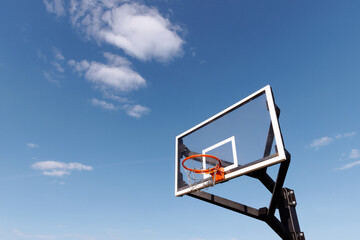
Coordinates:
(93, 93)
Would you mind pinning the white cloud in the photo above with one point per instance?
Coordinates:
(78, 166)
(349, 134)
(32, 145)
(56, 173)
(346, 135)
(354, 153)
(59, 169)
(350, 165)
(116, 60)
(324, 141)
(119, 78)
(41, 55)
(102, 104)
(46, 165)
(116, 75)
(55, 6)
(115, 97)
(51, 78)
(79, 66)
(58, 59)
(58, 55)
(320, 142)
(58, 67)
(136, 111)
(141, 31)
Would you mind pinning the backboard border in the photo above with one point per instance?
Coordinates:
(277, 136)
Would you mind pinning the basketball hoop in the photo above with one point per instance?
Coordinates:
(203, 166)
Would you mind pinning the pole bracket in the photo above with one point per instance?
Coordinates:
(283, 200)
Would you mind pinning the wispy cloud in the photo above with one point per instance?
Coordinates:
(324, 141)
(50, 76)
(41, 55)
(350, 165)
(55, 6)
(58, 59)
(58, 67)
(57, 54)
(32, 145)
(136, 111)
(115, 97)
(102, 104)
(354, 154)
(141, 31)
(59, 169)
(55, 64)
(346, 135)
(320, 142)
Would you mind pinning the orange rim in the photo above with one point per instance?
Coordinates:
(208, 171)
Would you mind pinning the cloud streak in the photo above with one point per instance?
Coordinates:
(55, 69)
(51, 78)
(354, 154)
(32, 145)
(136, 111)
(325, 141)
(350, 165)
(320, 142)
(102, 104)
(59, 169)
(346, 135)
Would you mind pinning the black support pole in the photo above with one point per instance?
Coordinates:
(283, 199)
(226, 203)
(276, 194)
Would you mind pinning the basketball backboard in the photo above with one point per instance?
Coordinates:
(245, 136)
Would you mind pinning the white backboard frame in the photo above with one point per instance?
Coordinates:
(281, 156)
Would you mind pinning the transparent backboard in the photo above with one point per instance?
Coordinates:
(245, 137)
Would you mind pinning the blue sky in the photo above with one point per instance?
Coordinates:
(93, 93)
